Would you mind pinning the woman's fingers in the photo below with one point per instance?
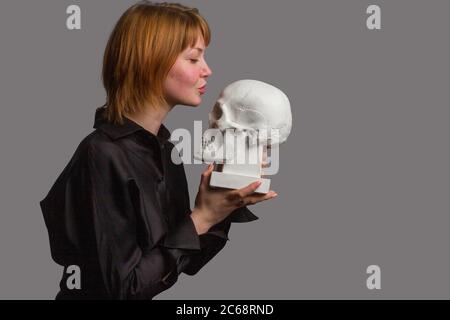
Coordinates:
(249, 200)
(237, 197)
(248, 190)
(246, 195)
(206, 175)
(253, 198)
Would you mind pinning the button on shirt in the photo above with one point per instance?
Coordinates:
(120, 211)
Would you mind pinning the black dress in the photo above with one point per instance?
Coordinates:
(120, 211)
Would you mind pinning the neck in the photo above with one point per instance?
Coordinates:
(151, 118)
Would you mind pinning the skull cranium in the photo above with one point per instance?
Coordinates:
(248, 108)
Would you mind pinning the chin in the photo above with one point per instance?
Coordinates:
(193, 102)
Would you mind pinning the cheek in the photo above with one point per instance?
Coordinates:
(185, 78)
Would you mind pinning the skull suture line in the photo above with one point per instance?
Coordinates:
(246, 109)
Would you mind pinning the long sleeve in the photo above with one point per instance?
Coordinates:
(179, 242)
(130, 269)
(92, 222)
(211, 243)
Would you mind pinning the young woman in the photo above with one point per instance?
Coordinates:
(118, 216)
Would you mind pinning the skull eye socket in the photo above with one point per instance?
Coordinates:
(217, 111)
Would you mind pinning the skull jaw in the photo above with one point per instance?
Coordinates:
(231, 145)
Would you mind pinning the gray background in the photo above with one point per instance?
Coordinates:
(364, 175)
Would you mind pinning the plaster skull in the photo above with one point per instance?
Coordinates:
(249, 108)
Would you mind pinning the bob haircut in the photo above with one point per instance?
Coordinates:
(141, 49)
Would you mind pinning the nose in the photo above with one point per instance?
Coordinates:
(206, 70)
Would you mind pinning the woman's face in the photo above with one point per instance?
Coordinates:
(187, 76)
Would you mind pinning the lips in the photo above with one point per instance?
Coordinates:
(202, 89)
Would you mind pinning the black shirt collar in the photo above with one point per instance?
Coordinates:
(117, 131)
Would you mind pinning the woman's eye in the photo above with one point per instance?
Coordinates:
(194, 60)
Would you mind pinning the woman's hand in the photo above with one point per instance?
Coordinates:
(214, 205)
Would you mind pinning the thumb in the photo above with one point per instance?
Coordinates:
(206, 175)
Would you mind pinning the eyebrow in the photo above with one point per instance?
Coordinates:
(199, 49)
